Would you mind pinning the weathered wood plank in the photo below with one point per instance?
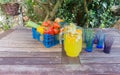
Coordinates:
(115, 52)
(74, 69)
(29, 54)
(70, 60)
(116, 43)
(108, 60)
(116, 39)
(96, 50)
(19, 42)
(12, 35)
(86, 55)
(30, 45)
(29, 61)
(6, 33)
(31, 49)
(12, 43)
(9, 45)
(22, 33)
(17, 38)
(29, 39)
(26, 54)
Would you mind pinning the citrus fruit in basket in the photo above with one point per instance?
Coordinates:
(40, 29)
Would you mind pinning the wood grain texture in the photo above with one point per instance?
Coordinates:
(112, 60)
(29, 60)
(31, 49)
(6, 33)
(22, 55)
(25, 45)
(60, 69)
(19, 48)
(21, 40)
(29, 54)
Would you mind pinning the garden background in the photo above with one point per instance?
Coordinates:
(86, 13)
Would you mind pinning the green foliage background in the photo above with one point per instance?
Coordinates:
(99, 14)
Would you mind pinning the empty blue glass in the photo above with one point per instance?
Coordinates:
(89, 45)
(89, 38)
(108, 44)
(100, 37)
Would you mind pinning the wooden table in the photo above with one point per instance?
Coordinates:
(20, 54)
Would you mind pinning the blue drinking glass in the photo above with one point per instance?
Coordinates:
(108, 44)
(89, 38)
(89, 45)
(100, 36)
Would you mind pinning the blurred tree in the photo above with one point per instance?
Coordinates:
(89, 13)
(86, 13)
(42, 9)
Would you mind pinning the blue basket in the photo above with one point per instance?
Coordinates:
(33, 33)
(38, 36)
(48, 40)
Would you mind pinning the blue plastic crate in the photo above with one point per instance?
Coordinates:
(50, 40)
(36, 35)
(33, 33)
(46, 39)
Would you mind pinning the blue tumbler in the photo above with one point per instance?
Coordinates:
(108, 44)
(89, 45)
(100, 36)
(89, 38)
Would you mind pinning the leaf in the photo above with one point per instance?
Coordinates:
(102, 25)
(104, 5)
